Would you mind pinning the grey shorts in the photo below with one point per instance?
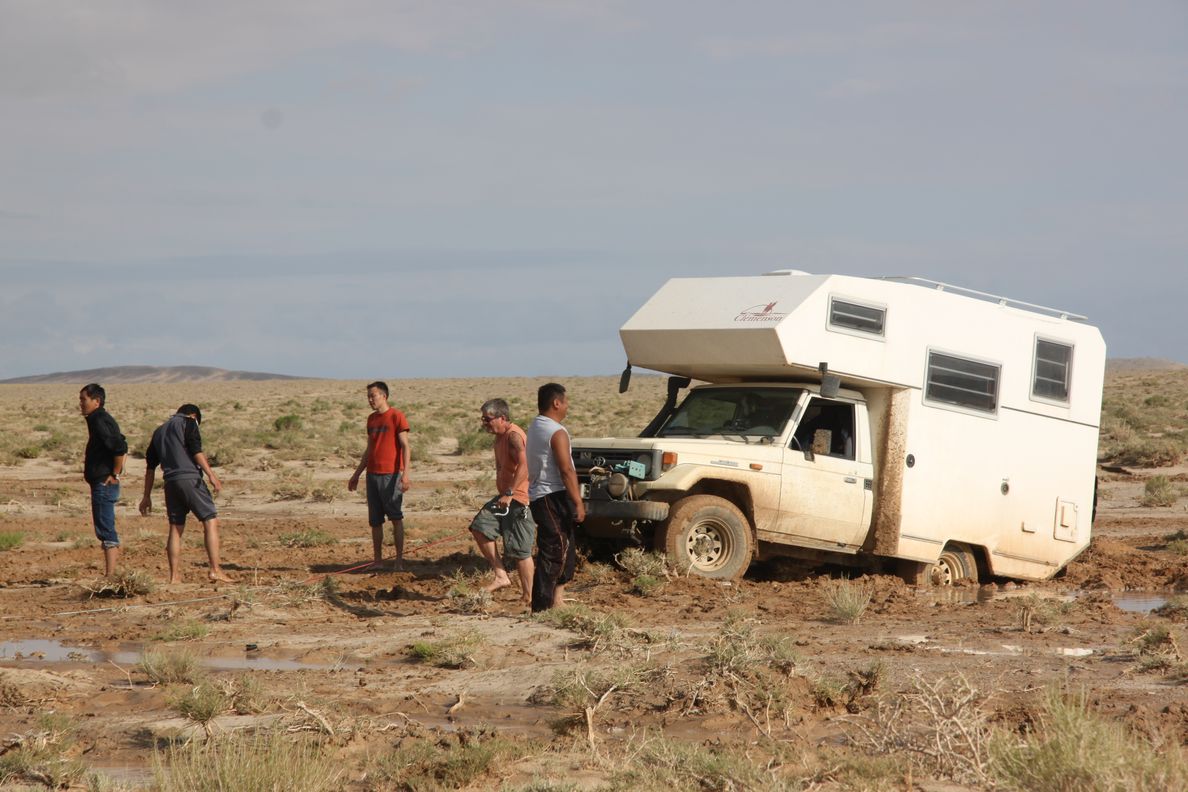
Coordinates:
(188, 495)
(516, 527)
(384, 498)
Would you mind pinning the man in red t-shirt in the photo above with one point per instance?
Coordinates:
(386, 462)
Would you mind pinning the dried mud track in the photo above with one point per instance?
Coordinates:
(343, 656)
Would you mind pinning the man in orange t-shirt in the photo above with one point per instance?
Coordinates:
(386, 462)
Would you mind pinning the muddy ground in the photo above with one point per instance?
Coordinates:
(336, 661)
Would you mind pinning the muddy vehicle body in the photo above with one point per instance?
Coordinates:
(881, 423)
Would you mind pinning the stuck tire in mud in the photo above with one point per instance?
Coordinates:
(708, 536)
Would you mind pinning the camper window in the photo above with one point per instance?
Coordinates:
(1052, 363)
(854, 316)
(834, 418)
(962, 382)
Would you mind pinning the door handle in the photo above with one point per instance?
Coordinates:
(851, 480)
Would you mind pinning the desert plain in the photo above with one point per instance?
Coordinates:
(329, 676)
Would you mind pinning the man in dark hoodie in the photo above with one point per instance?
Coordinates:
(103, 465)
(177, 447)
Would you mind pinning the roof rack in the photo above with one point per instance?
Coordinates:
(931, 284)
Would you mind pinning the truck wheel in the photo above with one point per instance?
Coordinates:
(956, 563)
(708, 536)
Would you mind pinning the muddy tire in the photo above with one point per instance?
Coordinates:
(956, 562)
(707, 536)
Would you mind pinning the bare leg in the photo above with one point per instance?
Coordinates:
(559, 595)
(487, 548)
(210, 538)
(398, 540)
(526, 568)
(110, 556)
(377, 544)
(173, 552)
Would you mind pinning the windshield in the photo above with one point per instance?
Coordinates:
(746, 412)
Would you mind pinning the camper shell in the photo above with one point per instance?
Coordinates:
(860, 420)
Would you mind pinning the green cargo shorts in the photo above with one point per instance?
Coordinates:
(516, 527)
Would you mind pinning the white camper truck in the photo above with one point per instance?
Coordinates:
(944, 433)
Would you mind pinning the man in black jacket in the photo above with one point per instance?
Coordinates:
(177, 447)
(103, 464)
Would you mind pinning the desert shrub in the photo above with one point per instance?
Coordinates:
(466, 595)
(42, 756)
(475, 441)
(124, 583)
(202, 703)
(1148, 452)
(1176, 608)
(325, 494)
(11, 539)
(598, 631)
(453, 652)
(189, 630)
(941, 726)
(246, 695)
(292, 485)
(167, 668)
(580, 691)
(287, 423)
(1044, 611)
(459, 761)
(308, 537)
(636, 561)
(1070, 747)
(1159, 491)
(665, 764)
(28, 452)
(257, 762)
(846, 600)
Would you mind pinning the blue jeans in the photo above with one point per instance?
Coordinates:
(103, 500)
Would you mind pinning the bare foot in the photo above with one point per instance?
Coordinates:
(219, 577)
(174, 581)
(497, 584)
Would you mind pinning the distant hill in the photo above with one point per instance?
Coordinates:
(127, 375)
(1139, 365)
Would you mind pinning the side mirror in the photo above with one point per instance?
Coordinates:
(625, 378)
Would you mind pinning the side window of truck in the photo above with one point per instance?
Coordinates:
(836, 418)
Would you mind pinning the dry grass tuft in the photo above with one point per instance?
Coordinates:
(262, 761)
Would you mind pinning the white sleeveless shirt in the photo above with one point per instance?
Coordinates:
(544, 477)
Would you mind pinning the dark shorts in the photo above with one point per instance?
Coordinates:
(384, 498)
(188, 495)
(103, 500)
(515, 526)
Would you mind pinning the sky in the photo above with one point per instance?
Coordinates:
(455, 189)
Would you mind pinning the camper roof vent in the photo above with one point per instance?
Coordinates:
(788, 272)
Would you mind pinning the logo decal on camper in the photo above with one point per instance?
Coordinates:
(764, 313)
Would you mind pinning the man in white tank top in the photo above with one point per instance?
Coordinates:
(556, 499)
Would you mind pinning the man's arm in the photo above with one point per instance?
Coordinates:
(406, 455)
(117, 446)
(519, 459)
(561, 453)
(353, 484)
(201, 461)
(146, 503)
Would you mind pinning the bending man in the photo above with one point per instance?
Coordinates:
(177, 447)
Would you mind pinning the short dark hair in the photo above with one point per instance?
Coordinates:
(380, 386)
(190, 409)
(95, 391)
(547, 393)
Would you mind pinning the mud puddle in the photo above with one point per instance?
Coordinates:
(1130, 601)
(37, 650)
